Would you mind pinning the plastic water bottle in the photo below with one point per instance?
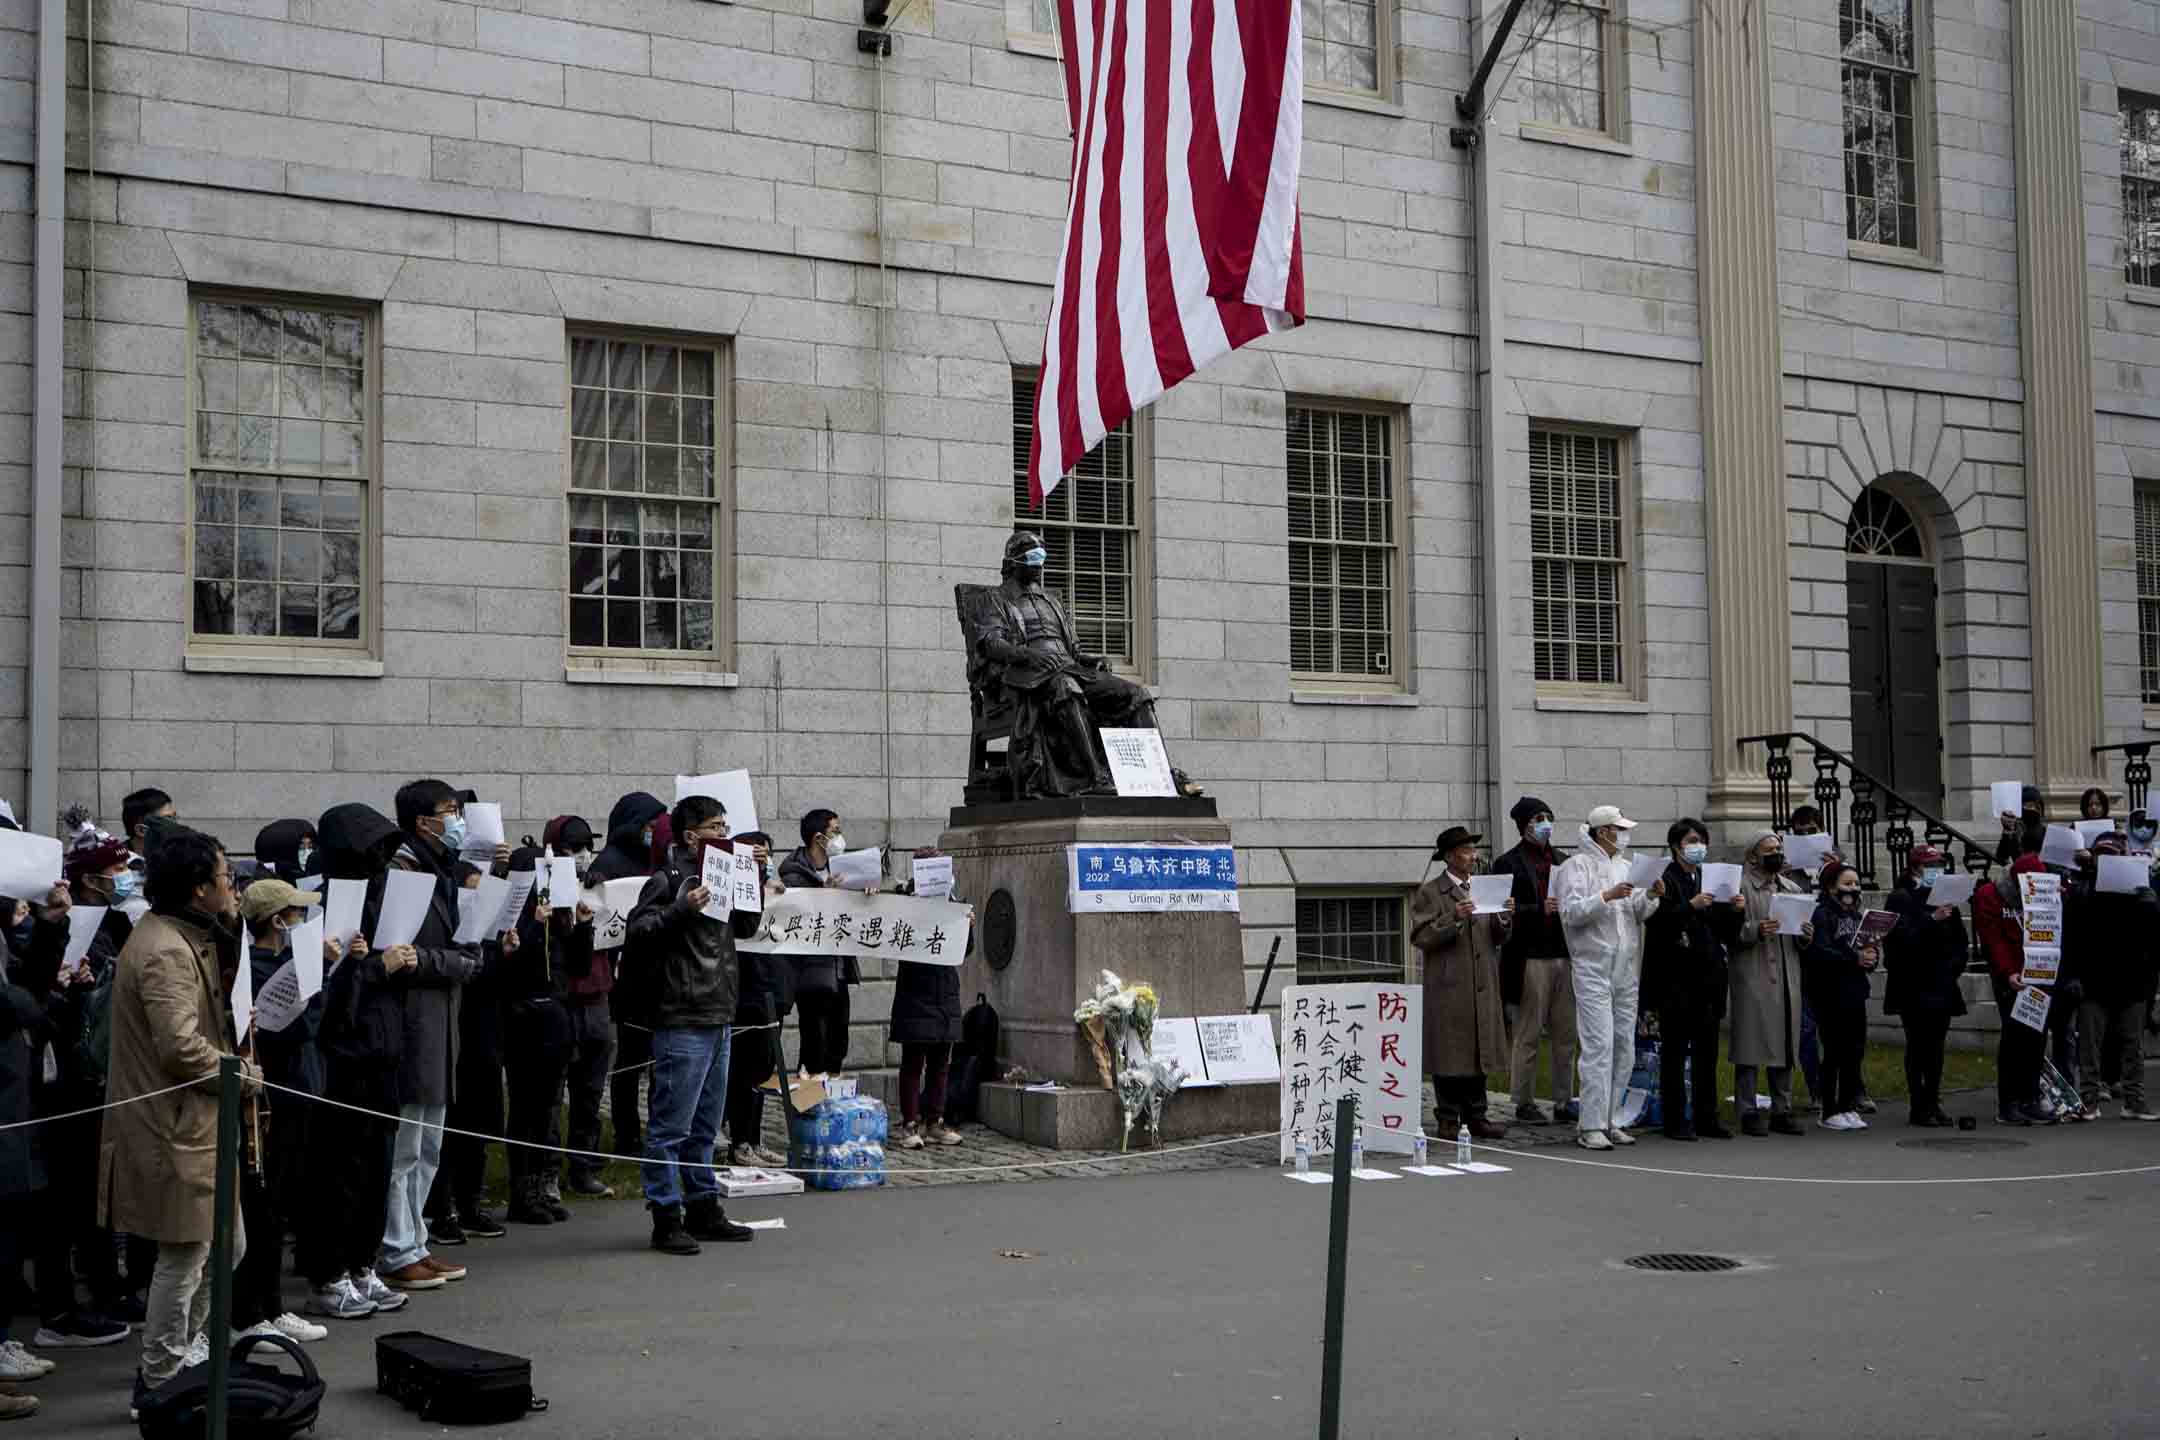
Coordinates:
(1357, 1149)
(1462, 1144)
(1419, 1150)
(1304, 1156)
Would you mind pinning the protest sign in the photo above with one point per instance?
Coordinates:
(312, 884)
(1238, 1049)
(1792, 912)
(732, 789)
(716, 876)
(243, 998)
(1807, 852)
(1362, 1040)
(1490, 893)
(406, 896)
(280, 1002)
(1875, 926)
(29, 864)
(307, 961)
(746, 884)
(819, 923)
(2060, 846)
(1952, 889)
(514, 898)
(1647, 869)
(1721, 882)
(562, 882)
(83, 923)
(1138, 763)
(857, 870)
(2040, 907)
(611, 904)
(1150, 877)
(478, 910)
(2006, 797)
(2043, 964)
(483, 831)
(342, 911)
(2032, 1007)
(2122, 875)
(933, 877)
(1179, 1040)
(2091, 830)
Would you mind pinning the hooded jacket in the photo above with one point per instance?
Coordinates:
(625, 854)
(682, 957)
(277, 850)
(1998, 907)
(2108, 940)
(433, 990)
(534, 980)
(815, 974)
(362, 1035)
(1924, 956)
(1606, 936)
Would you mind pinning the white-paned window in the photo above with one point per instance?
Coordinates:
(1567, 77)
(1345, 517)
(1581, 595)
(1094, 526)
(2141, 187)
(1886, 122)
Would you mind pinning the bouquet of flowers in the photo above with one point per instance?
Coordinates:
(1119, 1021)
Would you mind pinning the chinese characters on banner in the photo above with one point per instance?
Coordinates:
(1150, 877)
(1362, 1040)
(810, 922)
(2041, 916)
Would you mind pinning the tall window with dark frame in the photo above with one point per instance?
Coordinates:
(2140, 187)
(1879, 47)
(1343, 549)
(1564, 81)
(2148, 588)
(1349, 938)
(1090, 525)
(1578, 558)
(645, 496)
(279, 472)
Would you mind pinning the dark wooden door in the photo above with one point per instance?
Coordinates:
(1896, 716)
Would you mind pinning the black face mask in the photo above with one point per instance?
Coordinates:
(1772, 863)
(1848, 897)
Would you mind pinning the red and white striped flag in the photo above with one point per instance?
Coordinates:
(1181, 234)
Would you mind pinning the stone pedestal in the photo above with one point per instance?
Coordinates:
(1037, 961)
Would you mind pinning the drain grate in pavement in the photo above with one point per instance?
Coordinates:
(1683, 1263)
(1961, 1145)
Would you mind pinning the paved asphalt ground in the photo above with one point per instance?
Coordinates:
(1189, 1304)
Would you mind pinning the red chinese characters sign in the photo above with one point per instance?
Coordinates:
(1361, 1040)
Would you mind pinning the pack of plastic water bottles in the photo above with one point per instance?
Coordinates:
(841, 1143)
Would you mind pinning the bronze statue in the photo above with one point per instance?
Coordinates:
(1032, 681)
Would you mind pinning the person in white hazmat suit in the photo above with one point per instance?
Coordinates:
(1602, 916)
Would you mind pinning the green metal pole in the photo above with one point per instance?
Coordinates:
(1338, 1271)
(221, 1229)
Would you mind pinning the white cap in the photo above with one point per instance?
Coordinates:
(1605, 815)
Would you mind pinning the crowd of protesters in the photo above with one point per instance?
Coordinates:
(1584, 956)
(352, 1146)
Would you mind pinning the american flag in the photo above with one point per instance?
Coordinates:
(1181, 234)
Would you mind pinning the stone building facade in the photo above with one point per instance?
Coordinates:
(558, 395)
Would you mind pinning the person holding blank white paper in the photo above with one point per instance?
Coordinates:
(2112, 948)
(1684, 974)
(1603, 916)
(1764, 973)
(821, 985)
(1927, 954)
(1834, 969)
(1465, 1036)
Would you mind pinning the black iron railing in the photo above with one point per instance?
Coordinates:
(1873, 804)
(2137, 769)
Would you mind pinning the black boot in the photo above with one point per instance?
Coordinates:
(525, 1205)
(551, 1199)
(709, 1222)
(479, 1224)
(668, 1235)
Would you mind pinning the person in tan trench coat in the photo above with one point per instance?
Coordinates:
(1766, 1000)
(1465, 1036)
(157, 1170)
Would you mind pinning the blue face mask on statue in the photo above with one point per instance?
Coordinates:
(1035, 559)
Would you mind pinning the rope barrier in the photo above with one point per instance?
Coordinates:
(209, 1079)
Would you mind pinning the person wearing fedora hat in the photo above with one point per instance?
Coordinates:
(1603, 918)
(1464, 1037)
(1925, 958)
(1534, 974)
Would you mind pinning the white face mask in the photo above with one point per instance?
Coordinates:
(307, 853)
(835, 845)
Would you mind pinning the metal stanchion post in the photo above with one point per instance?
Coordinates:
(1338, 1271)
(226, 1196)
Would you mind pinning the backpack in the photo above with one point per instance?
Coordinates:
(974, 1062)
(262, 1401)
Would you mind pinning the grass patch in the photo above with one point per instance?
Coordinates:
(1882, 1072)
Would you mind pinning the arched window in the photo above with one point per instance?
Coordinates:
(1882, 529)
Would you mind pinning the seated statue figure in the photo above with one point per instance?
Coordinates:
(1063, 693)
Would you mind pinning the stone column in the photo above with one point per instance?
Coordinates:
(1744, 483)
(2055, 347)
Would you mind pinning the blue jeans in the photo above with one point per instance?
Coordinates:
(413, 1163)
(689, 1092)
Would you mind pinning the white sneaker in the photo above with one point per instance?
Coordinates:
(198, 1353)
(1593, 1140)
(17, 1363)
(1621, 1137)
(370, 1286)
(1859, 1121)
(292, 1327)
(263, 1328)
(1833, 1122)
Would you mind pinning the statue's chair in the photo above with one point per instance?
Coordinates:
(993, 711)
